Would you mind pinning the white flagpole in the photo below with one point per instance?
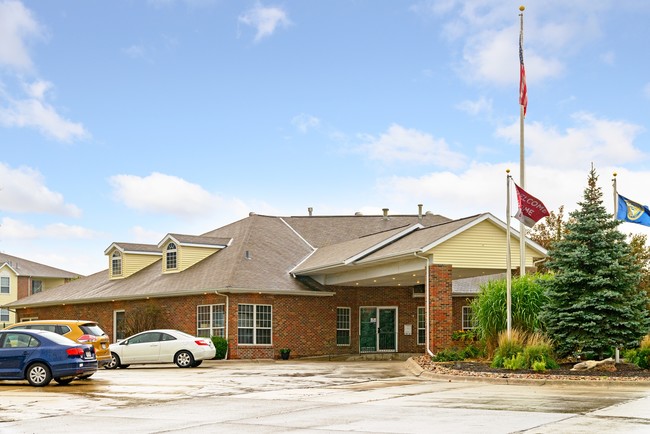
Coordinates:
(508, 258)
(616, 353)
(522, 183)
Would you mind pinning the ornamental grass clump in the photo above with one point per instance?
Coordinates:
(524, 351)
(508, 347)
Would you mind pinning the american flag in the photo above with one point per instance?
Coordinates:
(523, 90)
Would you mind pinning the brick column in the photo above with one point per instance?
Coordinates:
(440, 307)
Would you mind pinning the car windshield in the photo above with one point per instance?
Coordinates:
(92, 329)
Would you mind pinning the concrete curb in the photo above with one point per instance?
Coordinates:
(418, 371)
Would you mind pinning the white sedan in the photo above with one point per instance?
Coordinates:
(161, 346)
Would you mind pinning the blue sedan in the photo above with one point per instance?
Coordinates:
(40, 356)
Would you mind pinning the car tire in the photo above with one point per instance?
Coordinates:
(38, 375)
(123, 366)
(114, 362)
(184, 359)
(197, 363)
(64, 381)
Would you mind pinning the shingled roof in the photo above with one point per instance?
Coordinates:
(25, 267)
(266, 254)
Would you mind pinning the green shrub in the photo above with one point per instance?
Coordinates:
(448, 355)
(221, 345)
(508, 347)
(643, 358)
(515, 362)
(539, 366)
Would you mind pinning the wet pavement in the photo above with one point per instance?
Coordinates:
(316, 396)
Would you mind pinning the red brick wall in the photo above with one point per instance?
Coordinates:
(440, 305)
(23, 284)
(305, 324)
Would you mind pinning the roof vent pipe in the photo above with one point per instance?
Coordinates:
(385, 213)
(419, 211)
(310, 210)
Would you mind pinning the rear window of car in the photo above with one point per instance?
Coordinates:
(92, 329)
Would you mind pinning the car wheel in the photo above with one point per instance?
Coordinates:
(197, 363)
(114, 363)
(64, 381)
(184, 359)
(38, 375)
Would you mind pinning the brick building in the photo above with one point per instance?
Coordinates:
(315, 284)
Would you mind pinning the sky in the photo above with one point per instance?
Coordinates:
(124, 121)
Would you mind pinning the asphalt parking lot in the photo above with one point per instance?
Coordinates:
(316, 396)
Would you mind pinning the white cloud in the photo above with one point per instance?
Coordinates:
(166, 194)
(482, 105)
(36, 113)
(265, 20)
(400, 144)
(16, 26)
(20, 230)
(23, 190)
(601, 141)
(304, 122)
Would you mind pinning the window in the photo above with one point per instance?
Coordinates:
(4, 285)
(171, 256)
(4, 315)
(116, 263)
(210, 321)
(468, 318)
(343, 326)
(254, 324)
(422, 326)
(37, 286)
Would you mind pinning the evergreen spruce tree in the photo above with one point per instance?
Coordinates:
(594, 302)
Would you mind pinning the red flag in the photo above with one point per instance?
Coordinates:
(531, 209)
(523, 89)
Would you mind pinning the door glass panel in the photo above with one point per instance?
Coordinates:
(368, 330)
(387, 338)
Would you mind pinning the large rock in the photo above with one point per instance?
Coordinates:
(594, 365)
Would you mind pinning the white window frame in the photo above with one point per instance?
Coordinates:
(171, 249)
(5, 315)
(343, 324)
(40, 289)
(4, 279)
(116, 263)
(468, 318)
(421, 326)
(210, 326)
(256, 323)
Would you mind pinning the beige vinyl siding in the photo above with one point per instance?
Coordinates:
(481, 246)
(189, 255)
(132, 263)
(49, 283)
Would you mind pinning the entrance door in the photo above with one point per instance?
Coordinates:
(378, 329)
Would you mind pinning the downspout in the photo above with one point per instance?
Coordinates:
(426, 310)
(227, 316)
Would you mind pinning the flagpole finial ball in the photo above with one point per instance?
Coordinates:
(522, 7)
(507, 170)
(614, 173)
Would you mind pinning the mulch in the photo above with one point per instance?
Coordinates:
(618, 372)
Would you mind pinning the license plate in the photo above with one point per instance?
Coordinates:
(88, 354)
(103, 346)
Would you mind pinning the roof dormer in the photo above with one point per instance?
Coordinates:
(125, 259)
(180, 252)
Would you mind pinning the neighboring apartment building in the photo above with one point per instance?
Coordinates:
(20, 278)
(315, 284)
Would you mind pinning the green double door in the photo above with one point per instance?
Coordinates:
(378, 329)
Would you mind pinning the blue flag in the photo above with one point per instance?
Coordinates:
(633, 212)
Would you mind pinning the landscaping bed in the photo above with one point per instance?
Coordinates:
(618, 371)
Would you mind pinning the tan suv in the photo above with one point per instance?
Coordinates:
(83, 332)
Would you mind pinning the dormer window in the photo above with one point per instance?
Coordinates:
(170, 256)
(116, 263)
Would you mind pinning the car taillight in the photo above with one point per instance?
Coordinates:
(201, 342)
(86, 338)
(75, 352)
